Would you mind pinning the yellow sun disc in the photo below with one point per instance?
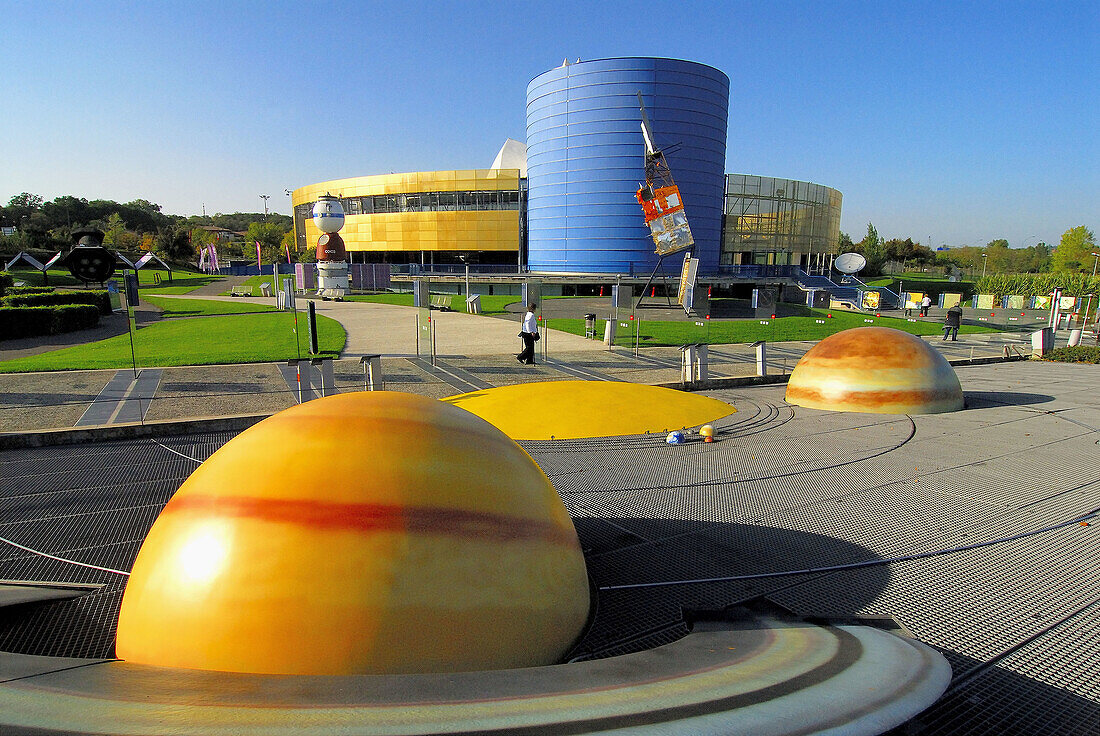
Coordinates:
(576, 409)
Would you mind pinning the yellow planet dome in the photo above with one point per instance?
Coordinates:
(875, 370)
(374, 532)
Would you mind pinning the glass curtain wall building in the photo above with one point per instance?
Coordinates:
(567, 203)
(779, 222)
(585, 161)
(423, 217)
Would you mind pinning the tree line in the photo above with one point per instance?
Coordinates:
(1074, 254)
(45, 227)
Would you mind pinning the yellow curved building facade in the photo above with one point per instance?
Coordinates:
(399, 218)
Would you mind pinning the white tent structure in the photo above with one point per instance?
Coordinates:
(146, 259)
(23, 257)
(512, 155)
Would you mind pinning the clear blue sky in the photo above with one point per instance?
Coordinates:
(959, 122)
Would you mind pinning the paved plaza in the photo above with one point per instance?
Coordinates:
(472, 353)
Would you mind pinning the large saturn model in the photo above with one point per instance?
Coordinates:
(876, 370)
(332, 266)
(436, 545)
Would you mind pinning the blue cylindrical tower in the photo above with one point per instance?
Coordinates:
(585, 161)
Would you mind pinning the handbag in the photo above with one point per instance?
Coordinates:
(537, 337)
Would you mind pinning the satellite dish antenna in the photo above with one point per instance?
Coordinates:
(849, 263)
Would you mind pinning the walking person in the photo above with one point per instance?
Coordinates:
(529, 331)
(952, 322)
(925, 303)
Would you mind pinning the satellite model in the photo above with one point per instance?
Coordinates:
(663, 209)
(660, 198)
(332, 267)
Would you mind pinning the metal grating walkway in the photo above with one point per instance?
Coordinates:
(784, 488)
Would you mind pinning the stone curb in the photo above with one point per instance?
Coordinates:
(106, 433)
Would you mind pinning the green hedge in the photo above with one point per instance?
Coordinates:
(1079, 354)
(52, 320)
(1038, 284)
(6, 280)
(100, 299)
(17, 290)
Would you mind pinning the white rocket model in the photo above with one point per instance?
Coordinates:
(332, 266)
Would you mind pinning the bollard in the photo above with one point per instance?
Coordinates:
(693, 363)
(687, 363)
(372, 373)
(302, 368)
(328, 376)
(1042, 341)
(761, 357)
(701, 371)
(1074, 338)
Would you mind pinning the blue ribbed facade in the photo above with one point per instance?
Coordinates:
(585, 161)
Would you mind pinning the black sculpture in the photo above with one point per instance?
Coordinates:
(89, 260)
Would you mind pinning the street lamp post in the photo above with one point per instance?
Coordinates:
(265, 197)
(1096, 257)
(465, 258)
(984, 256)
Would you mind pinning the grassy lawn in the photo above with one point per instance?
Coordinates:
(202, 307)
(182, 281)
(720, 332)
(494, 304)
(263, 278)
(923, 282)
(245, 338)
(58, 277)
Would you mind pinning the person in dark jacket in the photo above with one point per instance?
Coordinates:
(529, 332)
(952, 322)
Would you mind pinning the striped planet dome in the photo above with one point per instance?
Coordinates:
(875, 370)
(362, 533)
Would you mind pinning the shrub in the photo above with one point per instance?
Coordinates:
(14, 290)
(6, 280)
(1079, 354)
(1038, 284)
(100, 299)
(18, 322)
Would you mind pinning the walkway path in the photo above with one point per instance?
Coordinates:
(391, 330)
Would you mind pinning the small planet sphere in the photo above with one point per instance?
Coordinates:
(362, 533)
(875, 370)
(675, 438)
(707, 430)
(328, 214)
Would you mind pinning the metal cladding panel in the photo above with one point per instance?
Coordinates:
(585, 161)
